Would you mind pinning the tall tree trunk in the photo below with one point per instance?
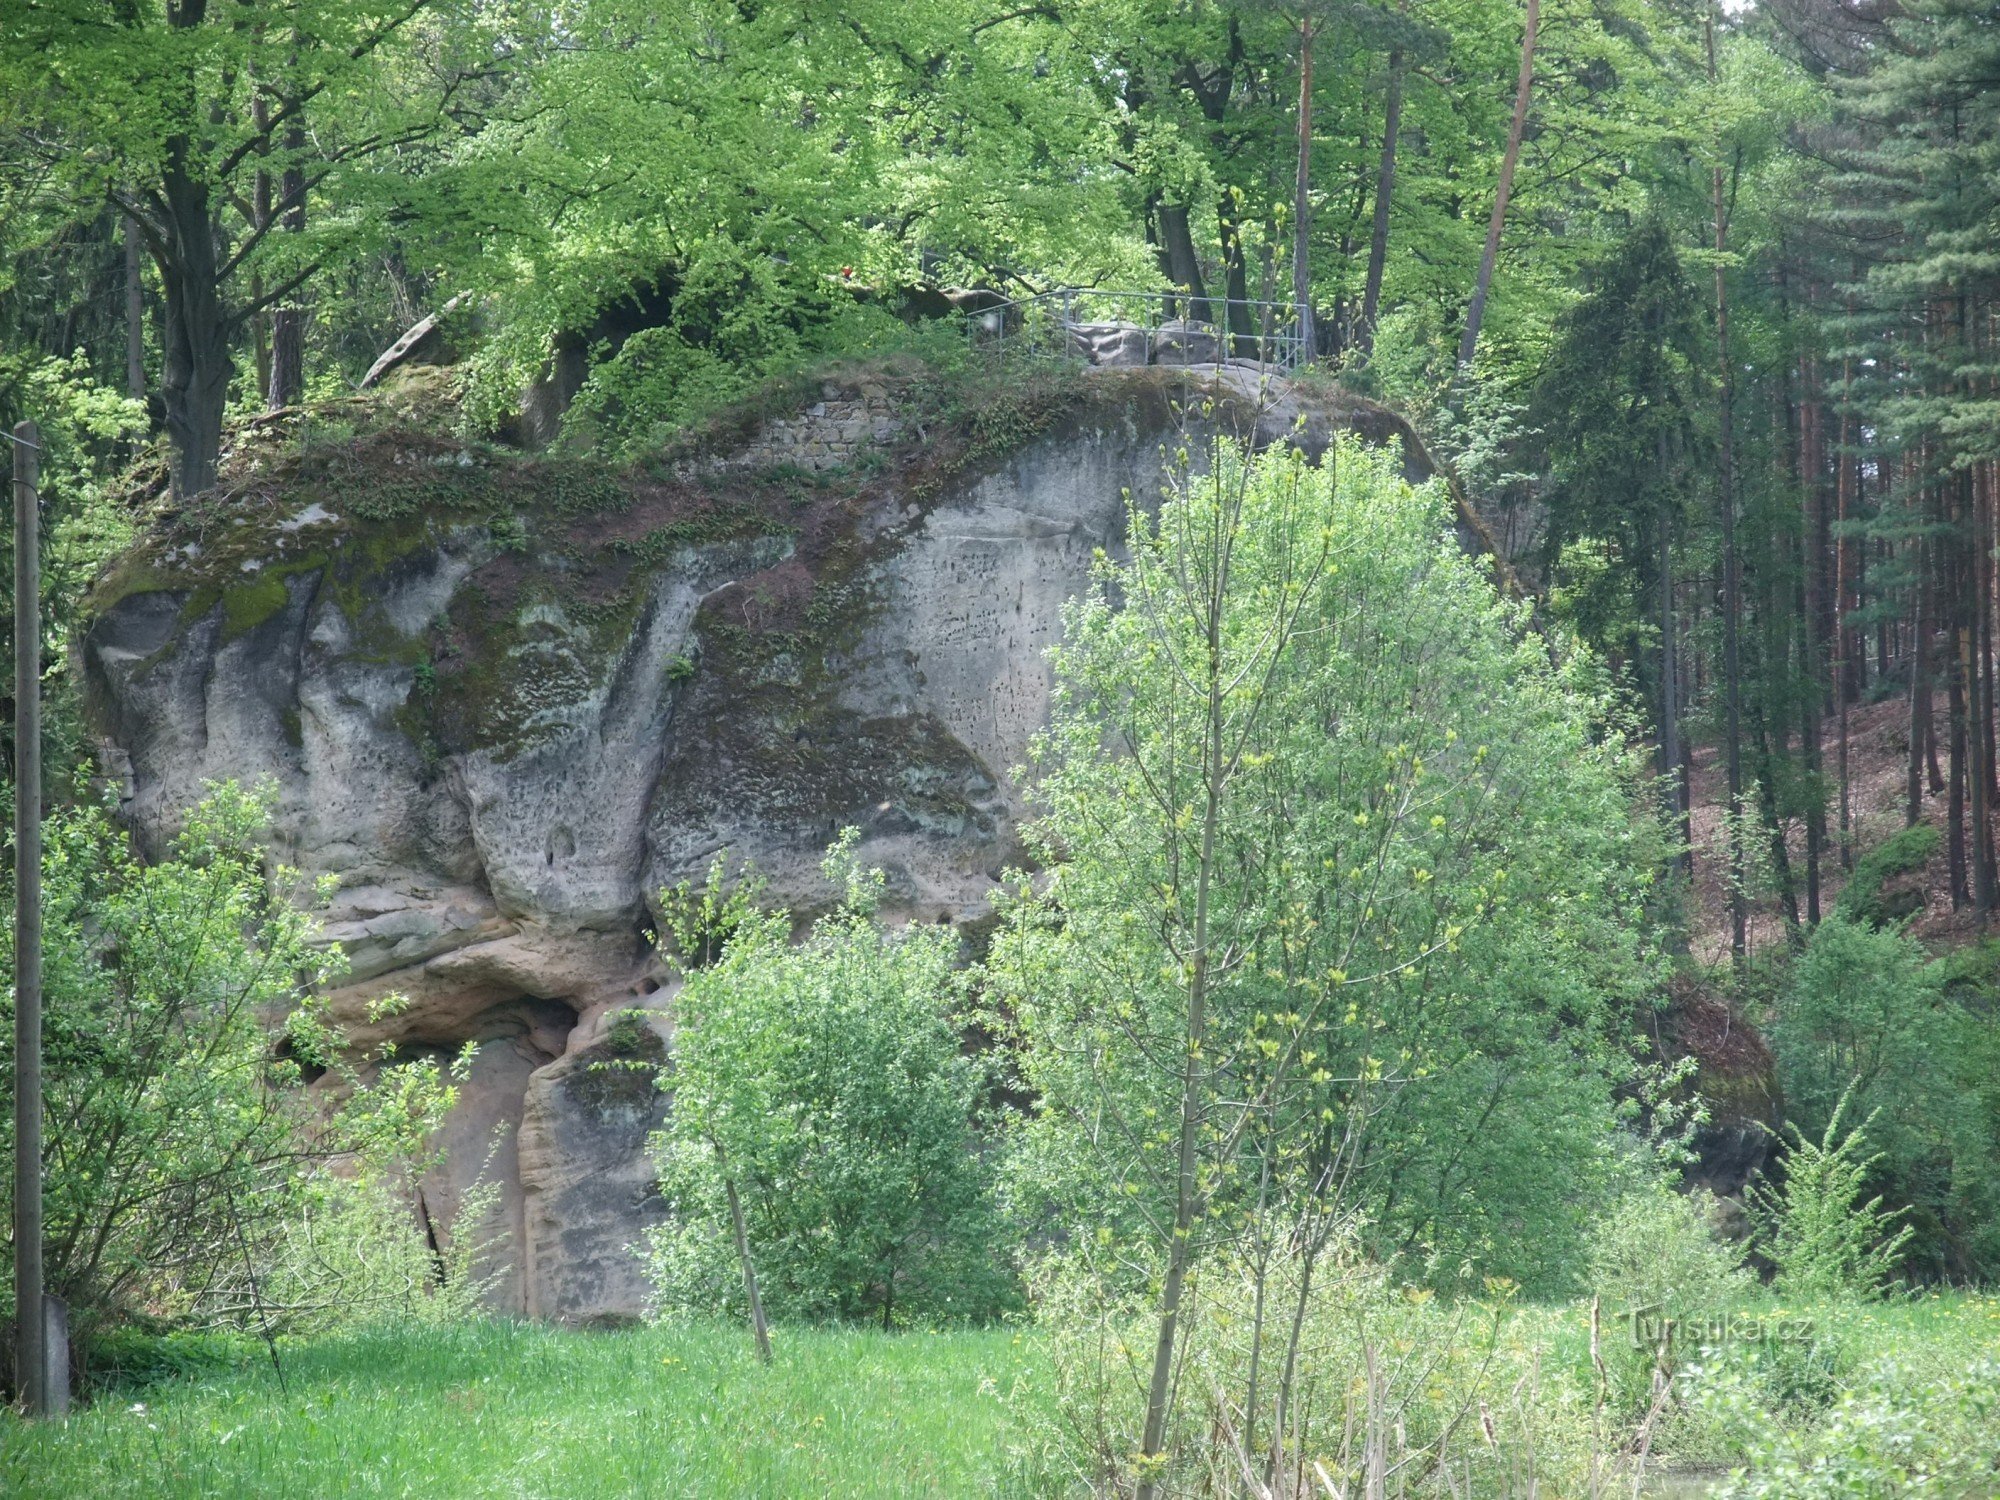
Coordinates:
(1978, 498)
(1385, 188)
(1972, 605)
(288, 371)
(1524, 86)
(1812, 752)
(1843, 633)
(1913, 788)
(1983, 556)
(1983, 552)
(1920, 687)
(194, 336)
(135, 315)
(1771, 756)
(1809, 605)
(1817, 648)
(1182, 265)
(1811, 724)
(1670, 708)
(1961, 892)
(1937, 617)
(1302, 196)
(1152, 238)
(1980, 853)
(1887, 631)
(1777, 609)
(1731, 566)
(260, 220)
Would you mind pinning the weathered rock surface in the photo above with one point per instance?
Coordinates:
(504, 702)
(1111, 344)
(1182, 341)
(1736, 1078)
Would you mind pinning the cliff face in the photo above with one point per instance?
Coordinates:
(505, 701)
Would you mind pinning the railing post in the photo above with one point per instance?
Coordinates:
(1047, 319)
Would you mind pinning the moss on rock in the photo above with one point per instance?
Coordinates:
(565, 549)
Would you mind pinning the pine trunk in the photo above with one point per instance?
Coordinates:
(1385, 187)
(1524, 85)
(1732, 685)
(1843, 634)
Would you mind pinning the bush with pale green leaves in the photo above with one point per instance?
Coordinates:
(826, 1081)
(1825, 1238)
(1655, 1247)
(1894, 1433)
(182, 1017)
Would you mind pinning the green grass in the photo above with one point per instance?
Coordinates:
(505, 1409)
(497, 1410)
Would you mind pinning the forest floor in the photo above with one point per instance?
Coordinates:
(1878, 739)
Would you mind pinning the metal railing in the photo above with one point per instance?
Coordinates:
(1100, 327)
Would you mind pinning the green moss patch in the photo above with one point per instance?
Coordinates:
(574, 545)
(1879, 891)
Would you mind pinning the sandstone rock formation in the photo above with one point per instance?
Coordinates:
(1121, 344)
(1181, 341)
(505, 701)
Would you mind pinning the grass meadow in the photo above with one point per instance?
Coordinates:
(496, 1410)
(499, 1410)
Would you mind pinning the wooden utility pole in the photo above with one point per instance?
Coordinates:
(32, 1356)
(1731, 577)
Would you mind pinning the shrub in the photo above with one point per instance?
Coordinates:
(350, 1254)
(826, 1083)
(1654, 1256)
(1867, 1012)
(1824, 1240)
(1893, 1435)
(1657, 1248)
(180, 1025)
(1860, 1012)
